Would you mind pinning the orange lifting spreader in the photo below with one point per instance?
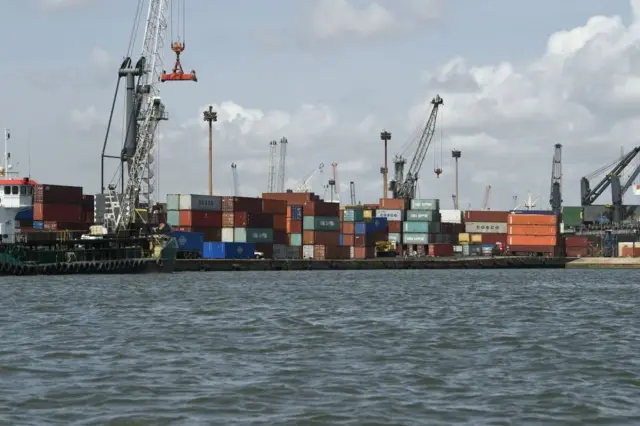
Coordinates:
(178, 73)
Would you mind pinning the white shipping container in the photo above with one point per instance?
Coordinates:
(207, 203)
(227, 235)
(307, 252)
(451, 216)
(391, 215)
(457, 249)
(352, 252)
(485, 228)
(279, 251)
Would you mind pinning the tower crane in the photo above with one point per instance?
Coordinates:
(612, 178)
(282, 164)
(144, 110)
(405, 187)
(555, 195)
(271, 183)
(303, 186)
(236, 184)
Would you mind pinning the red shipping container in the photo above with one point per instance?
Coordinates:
(485, 216)
(395, 227)
(348, 228)
(441, 250)
(381, 235)
(253, 220)
(577, 251)
(88, 203)
(348, 240)
(298, 198)
(242, 204)
(57, 212)
(228, 219)
(364, 252)
(280, 237)
(203, 219)
(494, 239)
(279, 222)
(265, 248)
(294, 226)
(57, 194)
(324, 238)
(320, 208)
(366, 240)
(576, 241)
(274, 206)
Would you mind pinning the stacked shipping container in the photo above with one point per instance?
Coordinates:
(196, 213)
(530, 232)
(58, 207)
(321, 231)
(576, 246)
(421, 225)
(485, 231)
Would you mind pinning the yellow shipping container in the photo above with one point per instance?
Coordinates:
(368, 214)
(476, 238)
(463, 238)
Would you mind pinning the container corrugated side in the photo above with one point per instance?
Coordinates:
(259, 235)
(415, 238)
(195, 202)
(189, 241)
(381, 223)
(352, 215)
(279, 251)
(307, 251)
(572, 216)
(423, 216)
(321, 223)
(395, 238)
(451, 216)
(425, 204)
(421, 227)
(391, 215)
(173, 202)
(486, 227)
(224, 250)
(365, 228)
(295, 239)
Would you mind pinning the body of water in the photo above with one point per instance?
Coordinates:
(322, 348)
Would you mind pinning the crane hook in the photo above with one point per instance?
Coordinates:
(438, 172)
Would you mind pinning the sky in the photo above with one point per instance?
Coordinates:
(516, 78)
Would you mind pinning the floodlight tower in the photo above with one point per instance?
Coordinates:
(456, 154)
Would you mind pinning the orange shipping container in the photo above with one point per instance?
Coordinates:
(391, 204)
(228, 220)
(274, 206)
(291, 197)
(348, 228)
(533, 230)
(335, 252)
(395, 227)
(364, 252)
(279, 222)
(532, 219)
(525, 240)
(348, 239)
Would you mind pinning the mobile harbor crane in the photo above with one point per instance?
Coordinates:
(144, 110)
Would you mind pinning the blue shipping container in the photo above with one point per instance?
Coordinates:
(25, 214)
(215, 250)
(296, 212)
(365, 228)
(381, 223)
(189, 241)
(341, 239)
(38, 224)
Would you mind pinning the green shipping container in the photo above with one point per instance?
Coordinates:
(173, 218)
(421, 227)
(415, 238)
(321, 223)
(395, 237)
(423, 216)
(240, 235)
(353, 215)
(295, 240)
(572, 216)
(425, 204)
(259, 235)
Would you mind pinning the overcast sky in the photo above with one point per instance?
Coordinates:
(516, 77)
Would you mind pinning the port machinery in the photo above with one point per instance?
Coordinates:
(404, 186)
(144, 109)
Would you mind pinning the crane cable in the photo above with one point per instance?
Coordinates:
(179, 13)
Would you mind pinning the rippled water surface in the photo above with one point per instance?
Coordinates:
(323, 348)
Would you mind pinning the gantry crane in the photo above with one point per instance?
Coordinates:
(612, 178)
(405, 187)
(555, 195)
(303, 186)
(144, 110)
(236, 184)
